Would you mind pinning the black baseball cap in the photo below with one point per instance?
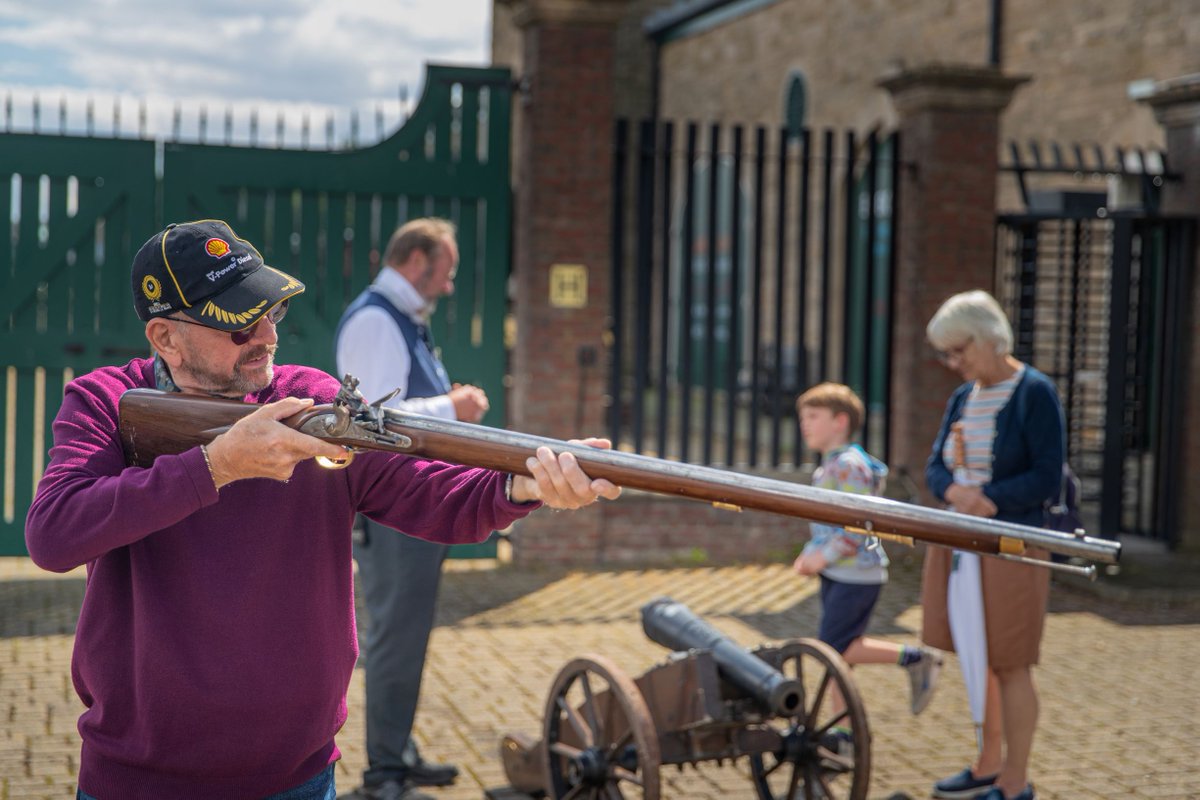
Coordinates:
(205, 271)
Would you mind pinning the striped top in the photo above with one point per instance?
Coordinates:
(968, 448)
(851, 557)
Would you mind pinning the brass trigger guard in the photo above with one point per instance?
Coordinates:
(336, 463)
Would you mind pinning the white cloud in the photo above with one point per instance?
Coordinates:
(327, 52)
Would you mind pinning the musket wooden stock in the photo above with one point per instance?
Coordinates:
(156, 423)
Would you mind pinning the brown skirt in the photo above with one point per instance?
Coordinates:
(1014, 607)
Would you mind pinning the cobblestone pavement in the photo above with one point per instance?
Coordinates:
(1120, 711)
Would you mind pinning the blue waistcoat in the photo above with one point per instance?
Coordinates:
(427, 377)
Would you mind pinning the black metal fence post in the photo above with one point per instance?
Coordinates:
(1113, 470)
(688, 287)
(664, 311)
(617, 246)
(734, 298)
(1178, 291)
(711, 320)
(644, 284)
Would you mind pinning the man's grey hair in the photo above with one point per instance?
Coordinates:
(970, 315)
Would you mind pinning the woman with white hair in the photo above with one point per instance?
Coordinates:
(999, 454)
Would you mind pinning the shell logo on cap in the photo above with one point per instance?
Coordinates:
(151, 288)
(216, 247)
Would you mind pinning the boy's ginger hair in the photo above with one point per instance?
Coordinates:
(838, 398)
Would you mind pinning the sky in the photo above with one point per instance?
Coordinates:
(290, 57)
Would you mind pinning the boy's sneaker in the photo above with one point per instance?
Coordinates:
(964, 786)
(923, 677)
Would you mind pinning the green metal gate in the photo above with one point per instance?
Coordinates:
(80, 207)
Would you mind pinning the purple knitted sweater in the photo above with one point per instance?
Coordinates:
(217, 636)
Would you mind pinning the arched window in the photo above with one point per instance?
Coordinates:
(795, 103)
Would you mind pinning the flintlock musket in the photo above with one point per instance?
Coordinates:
(154, 423)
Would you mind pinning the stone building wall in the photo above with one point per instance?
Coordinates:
(1082, 57)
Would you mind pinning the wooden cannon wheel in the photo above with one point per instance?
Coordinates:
(598, 736)
(814, 761)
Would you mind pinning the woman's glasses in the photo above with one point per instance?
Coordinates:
(239, 338)
(953, 353)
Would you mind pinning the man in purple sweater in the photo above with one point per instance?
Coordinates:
(217, 637)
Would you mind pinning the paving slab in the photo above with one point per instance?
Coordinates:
(1120, 707)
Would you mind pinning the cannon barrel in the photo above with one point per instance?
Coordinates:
(674, 626)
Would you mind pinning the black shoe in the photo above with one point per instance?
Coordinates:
(427, 773)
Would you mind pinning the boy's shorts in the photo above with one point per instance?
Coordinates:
(845, 611)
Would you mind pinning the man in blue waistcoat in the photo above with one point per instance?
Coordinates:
(383, 340)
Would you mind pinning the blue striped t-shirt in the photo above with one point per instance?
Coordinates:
(968, 448)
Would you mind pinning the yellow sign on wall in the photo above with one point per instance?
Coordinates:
(568, 286)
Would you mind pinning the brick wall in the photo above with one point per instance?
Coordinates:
(1082, 57)
(642, 528)
(740, 70)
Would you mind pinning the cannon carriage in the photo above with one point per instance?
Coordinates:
(607, 736)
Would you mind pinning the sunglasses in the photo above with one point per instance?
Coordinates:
(239, 338)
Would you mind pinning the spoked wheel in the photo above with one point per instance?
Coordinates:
(816, 761)
(599, 738)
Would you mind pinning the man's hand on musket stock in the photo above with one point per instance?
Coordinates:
(260, 446)
(560, 482)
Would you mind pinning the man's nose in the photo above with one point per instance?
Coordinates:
(265, 333)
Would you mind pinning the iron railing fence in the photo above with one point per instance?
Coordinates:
(1096, 282)
(748, 264)
(289, 125)
(1097, 304)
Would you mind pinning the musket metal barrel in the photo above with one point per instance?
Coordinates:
(674, 626)
(154, 423)
(507, 450)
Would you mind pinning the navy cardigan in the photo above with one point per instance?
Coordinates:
(1028, 450)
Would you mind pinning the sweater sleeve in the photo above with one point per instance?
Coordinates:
(1042, 434)
(433, 500)
(89, 503)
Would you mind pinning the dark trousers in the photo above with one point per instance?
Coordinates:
(399, 577)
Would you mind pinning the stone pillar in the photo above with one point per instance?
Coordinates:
(949, 121)
(1176, 105)
(563, 205)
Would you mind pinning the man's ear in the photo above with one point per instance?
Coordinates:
(415, 266)
(164, 339)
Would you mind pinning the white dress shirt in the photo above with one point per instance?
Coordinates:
(372, 348)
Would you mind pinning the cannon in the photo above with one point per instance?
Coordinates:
(791, 710)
